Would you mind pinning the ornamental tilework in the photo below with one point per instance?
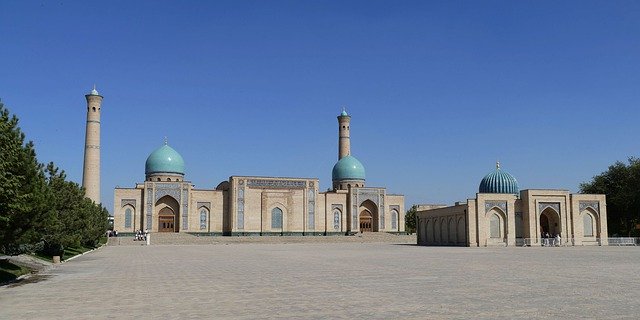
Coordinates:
(361, 195)
(240, 204)
(488, 205)
(553, 205)
(127, 218)
(149, 188)
(337, 213)
(170, 189)
(381, 212)
(354, 218)
(131, 202)
(594, 205)
(185, 208)
(203, 219)
(283, 184)
(204, 204)
(311, 223)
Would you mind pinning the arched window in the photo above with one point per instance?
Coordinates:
(394, 220)
(127, 218)
(587, 221)
(311, 220)
(452, 231)
(494, 226)
(336, 220)
(276, 218)
(430, 232)
(203, 219)
(422, 231)
(461, 231)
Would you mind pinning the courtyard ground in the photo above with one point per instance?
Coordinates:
(332, 280)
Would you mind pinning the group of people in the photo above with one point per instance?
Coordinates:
(549, 241)
(141, 235)
(112, 233)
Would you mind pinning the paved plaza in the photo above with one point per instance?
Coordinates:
(332, 280)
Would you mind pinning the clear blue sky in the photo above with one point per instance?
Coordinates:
(438, 91)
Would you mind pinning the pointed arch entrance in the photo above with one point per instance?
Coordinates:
(549, 223)
(589, 223)
(497, 227)
(368, 216)
(168, 214)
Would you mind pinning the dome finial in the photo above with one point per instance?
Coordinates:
(166, 142)
(498, 181)
(94, 92)
(344, 111)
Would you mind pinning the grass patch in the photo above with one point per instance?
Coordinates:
(10, 271)
(41, 256)
(73, 251)
(70, 251)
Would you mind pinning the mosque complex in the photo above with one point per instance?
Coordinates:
(503, 215)
(244, 205)
(500, 213)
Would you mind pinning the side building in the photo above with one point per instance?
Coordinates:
(254, 205)
(501, 215)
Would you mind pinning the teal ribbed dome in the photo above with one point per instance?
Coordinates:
(498, 182)
(348, 168)
(164, 160)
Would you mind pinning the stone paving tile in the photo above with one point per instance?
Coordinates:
(184, 238)
(333, 280)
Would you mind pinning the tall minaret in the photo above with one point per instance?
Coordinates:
(91, 170)
(344, 136)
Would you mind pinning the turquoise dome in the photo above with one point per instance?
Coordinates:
(164, 160)
(498, 182)
(348, 168)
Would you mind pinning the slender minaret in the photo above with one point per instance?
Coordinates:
(91, 170)
(344, 136)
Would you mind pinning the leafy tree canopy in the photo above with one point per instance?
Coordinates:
(39, 208)
(621, 184)
(22, 186)
(410, 219)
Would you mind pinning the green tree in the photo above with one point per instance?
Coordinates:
(97, 222)
(37, 204)
(621, 184)
(62, 220)
(410, 219)
(22, 187)
(73, 219)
